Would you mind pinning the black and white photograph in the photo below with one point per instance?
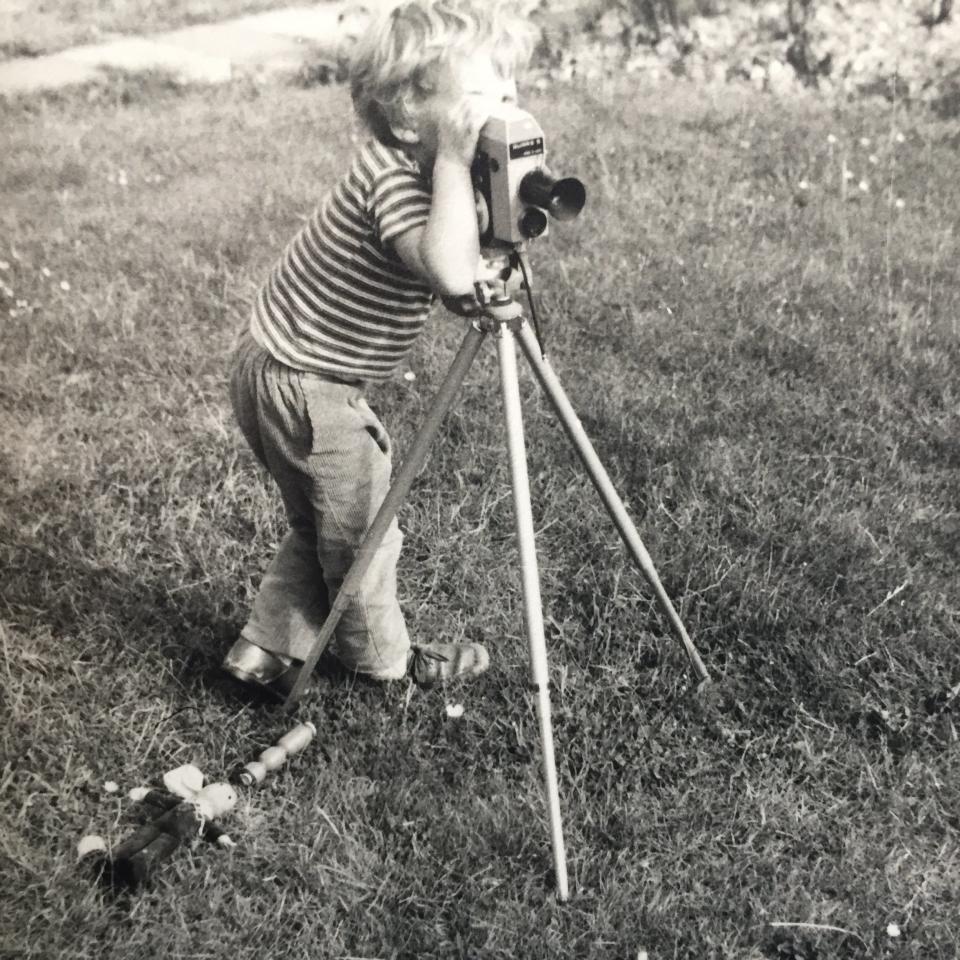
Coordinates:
(479, 479)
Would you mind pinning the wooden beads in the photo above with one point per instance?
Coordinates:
(274, 757)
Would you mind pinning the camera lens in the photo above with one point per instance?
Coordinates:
(567, 198)
(533, 222)
(563, 198)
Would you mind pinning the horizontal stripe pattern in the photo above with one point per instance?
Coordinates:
(339, 301)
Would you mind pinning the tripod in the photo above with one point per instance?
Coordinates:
(503, 317)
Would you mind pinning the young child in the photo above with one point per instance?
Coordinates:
(343, 305)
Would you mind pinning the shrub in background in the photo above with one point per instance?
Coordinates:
(903, 48)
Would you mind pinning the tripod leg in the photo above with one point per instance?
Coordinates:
(397, 493)
(612, 502)
(532, 608)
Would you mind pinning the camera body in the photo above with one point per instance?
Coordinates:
(510, 176)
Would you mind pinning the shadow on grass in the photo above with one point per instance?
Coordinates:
(95, 611)
(100, 605)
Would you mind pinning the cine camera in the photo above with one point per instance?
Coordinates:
(513, 184)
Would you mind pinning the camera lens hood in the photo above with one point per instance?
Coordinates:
(563, 199)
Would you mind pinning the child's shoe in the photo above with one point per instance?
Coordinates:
(434, 662)
(269, 671)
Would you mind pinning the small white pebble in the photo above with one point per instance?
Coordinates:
(64, 285)
(454, 710)
(804, 185)
(899, 203)
(864, 141)
(863, 186)
(900, 138)
(45, 271)
(409, 375)
(111, 786)
(893, 930)
(874, 159)
(831, 139)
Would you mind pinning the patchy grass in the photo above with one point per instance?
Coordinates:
(767, 369)
(30, 28)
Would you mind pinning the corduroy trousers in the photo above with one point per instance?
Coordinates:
(330, 458)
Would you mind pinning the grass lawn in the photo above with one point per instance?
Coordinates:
(29, 28)
(765, 354)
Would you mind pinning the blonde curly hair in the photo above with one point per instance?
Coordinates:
(401, 55)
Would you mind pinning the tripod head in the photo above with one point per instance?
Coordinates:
(493, 298)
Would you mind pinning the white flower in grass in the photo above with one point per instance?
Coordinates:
(111, 786)
(64, 285)
(864, 141)
(803, 184)
(831, 139)
(899, 203)
(410, 375)
(454, 710)
(874, 159)
(893, 930)
(847, 173)
(45, 271)
(899, 137)
(863, 186)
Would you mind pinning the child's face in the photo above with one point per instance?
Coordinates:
(474, 79)
(476, 76)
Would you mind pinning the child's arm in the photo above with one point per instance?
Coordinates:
(445, 251)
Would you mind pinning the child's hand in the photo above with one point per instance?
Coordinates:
(495, 271)
(460, 127)
(493, 265)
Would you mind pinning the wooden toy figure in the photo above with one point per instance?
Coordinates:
(133, 861)
(184, 811)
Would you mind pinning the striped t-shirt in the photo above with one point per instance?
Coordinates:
(340, 301)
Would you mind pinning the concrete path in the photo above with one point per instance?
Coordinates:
(274, 42)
